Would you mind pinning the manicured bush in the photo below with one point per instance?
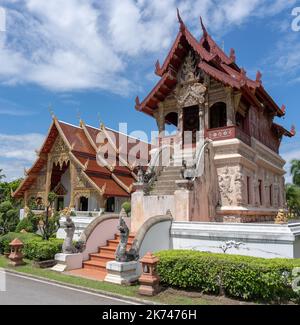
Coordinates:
(243, 277)
(30, 223)
(6, 239)
(37, 249)
(127, 207)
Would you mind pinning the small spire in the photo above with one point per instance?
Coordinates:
(182, 25)
(78, 116)
(157, 67)
(101, 123)
(283, 109)
(243, 77)
(293, 130)
(205, 33)
(258, 77)
(137, 102)
(232, 55)
(50, 108)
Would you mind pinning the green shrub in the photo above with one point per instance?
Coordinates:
(30, 223)
(127, 207)
(6, 239)
(37, 249)
(5, 206)
(242, 277)
(9, 217)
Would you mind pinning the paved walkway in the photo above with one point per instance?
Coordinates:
(21, 290)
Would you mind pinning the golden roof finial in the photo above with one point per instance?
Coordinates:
(51, 111)
(100, 122)
(78, 116)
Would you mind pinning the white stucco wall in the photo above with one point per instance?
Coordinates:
(260, 240)
(157, 239)
(93, 203)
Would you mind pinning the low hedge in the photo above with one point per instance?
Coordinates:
(9, 237)
(42, 250)
(35, 248)
(242, 277)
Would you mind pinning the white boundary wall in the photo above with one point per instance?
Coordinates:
(260, 240)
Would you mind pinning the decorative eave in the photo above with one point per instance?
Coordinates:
(177, 49)
(284, 132)
(219, 75)
(261, 90)
(164, 87)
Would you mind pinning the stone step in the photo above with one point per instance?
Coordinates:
(95, 265)
(102, 257)
(115, 242)
(161, 188)
(107, 249)
(131, 236)
(165, 181)
(162, 193)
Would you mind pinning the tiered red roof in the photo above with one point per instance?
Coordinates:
(81, 142)
(214, 62)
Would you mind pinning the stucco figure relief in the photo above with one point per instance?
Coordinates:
(226, 188)
(239, 183)
(189, 91)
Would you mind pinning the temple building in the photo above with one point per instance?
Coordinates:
(215, 184)
(67, 165)
(233, 137)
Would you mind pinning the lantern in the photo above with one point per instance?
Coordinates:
(149, 279)
(16, 256)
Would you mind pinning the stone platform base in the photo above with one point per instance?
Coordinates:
(67, 262)
(125, 273)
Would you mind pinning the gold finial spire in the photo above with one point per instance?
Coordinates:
(78, 116)
(101, 124)
(51, 111)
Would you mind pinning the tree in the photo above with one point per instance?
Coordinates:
(5, 191)
(50, 223)
(295, 171)
(1, 175)
(9, 217)
(293, 199)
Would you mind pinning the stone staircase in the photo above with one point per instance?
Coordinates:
(166, 181)
(97, 261)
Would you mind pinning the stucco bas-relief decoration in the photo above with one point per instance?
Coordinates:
(225, 185)
(189, 91)
(83, 193)
(60, 153)
(239, 187)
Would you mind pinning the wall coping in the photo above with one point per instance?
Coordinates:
(92, 226)
(285, 233)
(147, 225)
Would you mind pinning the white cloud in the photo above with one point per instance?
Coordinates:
(17, 152)
(88, 44)
(10, 108)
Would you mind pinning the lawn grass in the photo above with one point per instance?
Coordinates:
(164, 297)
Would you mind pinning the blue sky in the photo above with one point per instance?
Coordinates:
(90, 58)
